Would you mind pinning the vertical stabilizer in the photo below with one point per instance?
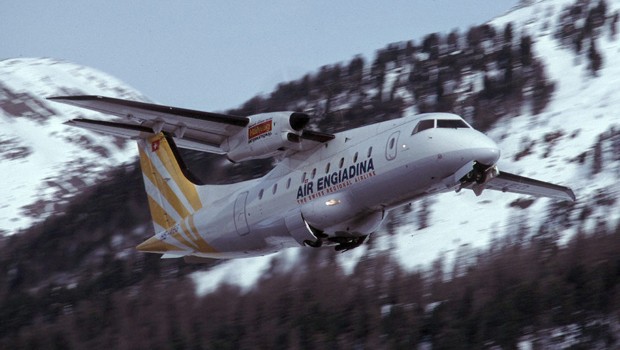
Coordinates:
(172, 196)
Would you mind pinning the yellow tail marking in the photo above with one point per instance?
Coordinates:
(203, 246)
(169, 161)
(159, 214)
(155, 245)
(162, 185)
(181, 238)
(170, 247)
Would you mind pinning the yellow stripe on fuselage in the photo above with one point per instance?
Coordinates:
(181, 234)
(203, 246)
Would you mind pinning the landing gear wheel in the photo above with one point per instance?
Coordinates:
(314, 244)
(479, 173)
(350, 243)
(320, 236)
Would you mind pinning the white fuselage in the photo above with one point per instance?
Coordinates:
(342, 187)
(327, 189)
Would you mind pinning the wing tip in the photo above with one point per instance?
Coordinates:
(526, 185)
(569, 192)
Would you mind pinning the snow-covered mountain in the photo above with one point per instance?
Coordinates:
(44, 162)
(575, 141)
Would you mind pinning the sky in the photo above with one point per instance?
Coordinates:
(215, 55)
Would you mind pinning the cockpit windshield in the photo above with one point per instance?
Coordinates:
(424, 125)
(451, 123)
(439, 123)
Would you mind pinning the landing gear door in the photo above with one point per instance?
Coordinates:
(391, 148)
(241, 222)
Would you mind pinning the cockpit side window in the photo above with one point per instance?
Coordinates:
(423, 125)
(451, 123)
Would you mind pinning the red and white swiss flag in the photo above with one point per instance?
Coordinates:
(155, 145)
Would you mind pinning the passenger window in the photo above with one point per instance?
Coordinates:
(288, 183)
(341, 162)
(424, 125)
(313, 173)
(275, 188)
(369, 152)
(260, 194)
(303, 178)
(355, 158)
(392, 142)
(327, 168)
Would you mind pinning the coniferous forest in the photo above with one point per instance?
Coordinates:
(497, 295)
(74, 280)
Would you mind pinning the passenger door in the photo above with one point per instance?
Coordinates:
(241, 222)
(391, 148)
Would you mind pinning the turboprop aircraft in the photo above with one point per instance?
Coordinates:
(325, 189)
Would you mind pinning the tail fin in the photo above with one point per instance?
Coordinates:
(172, 192)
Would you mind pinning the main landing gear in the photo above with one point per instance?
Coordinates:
(342, 243)
(347, 243)
(320, 236)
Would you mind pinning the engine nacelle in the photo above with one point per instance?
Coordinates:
(267, 135)
(338, 214)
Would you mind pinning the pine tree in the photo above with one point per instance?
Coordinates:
(453, 40)
(595, 58)
(508, 34)
(597, 161)
(526, 50)
(613, 25)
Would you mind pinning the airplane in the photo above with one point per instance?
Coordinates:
(325, 189)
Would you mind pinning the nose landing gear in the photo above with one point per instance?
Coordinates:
(479, 176)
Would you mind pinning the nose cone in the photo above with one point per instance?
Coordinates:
(485, 150)
(488, 156)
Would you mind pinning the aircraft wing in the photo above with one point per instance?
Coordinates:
(507, 182)
(203, 131)
(197, 130)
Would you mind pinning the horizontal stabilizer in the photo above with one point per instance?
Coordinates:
(174, 255)
(192, 259)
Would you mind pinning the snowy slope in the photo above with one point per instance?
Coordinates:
(44, 162)
(583, 108)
